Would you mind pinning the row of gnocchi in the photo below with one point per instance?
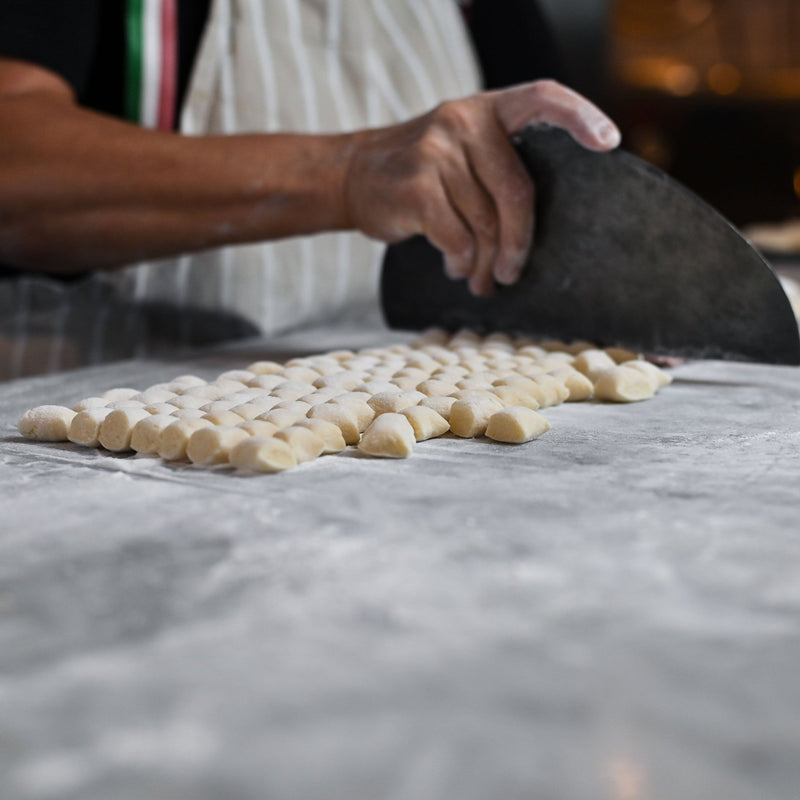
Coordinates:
(270, 416)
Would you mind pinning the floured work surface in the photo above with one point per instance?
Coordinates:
(611, 610)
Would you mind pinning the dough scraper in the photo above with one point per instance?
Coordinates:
(623, 255)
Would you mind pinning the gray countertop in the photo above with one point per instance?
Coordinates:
(611, 611)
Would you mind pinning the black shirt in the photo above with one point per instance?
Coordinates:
(83, 41)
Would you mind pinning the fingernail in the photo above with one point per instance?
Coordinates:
(458, 266)
(509, 270)
(608, 134)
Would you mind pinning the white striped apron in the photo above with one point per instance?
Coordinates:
(265, 65)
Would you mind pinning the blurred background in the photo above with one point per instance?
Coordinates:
(708, 90)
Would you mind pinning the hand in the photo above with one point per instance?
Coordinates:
(453, 175)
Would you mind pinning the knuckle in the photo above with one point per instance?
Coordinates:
(455, 115)
(547, 87)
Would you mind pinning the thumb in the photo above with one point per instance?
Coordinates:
(550, 102)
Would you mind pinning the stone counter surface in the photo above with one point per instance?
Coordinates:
(611, 611)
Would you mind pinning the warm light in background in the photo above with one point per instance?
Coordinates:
(683, 47)
(724, 79)
(681, 79)
(797, 181)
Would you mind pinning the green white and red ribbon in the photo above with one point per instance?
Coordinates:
(152, 62)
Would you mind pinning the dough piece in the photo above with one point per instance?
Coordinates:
(657, 376)
(239, 375)
(225, 387)
(468, 394)
(175, 438)
(432, 336)
(184, 382)
(441, 354)
(300, 374)
(405, 384)
(150, 396)
(592, 363)
(412, 372)
(321, 396)
(469, 417)
(578, 346)
(266, 382)
(578, 385)
(281, 417)
(554, 390)
(345, 380)
(450, 374)
(47, 423)
(498, 337)
(85, 426)
(516, 424)
(297, 406)
(206, 392)
(226, 418)
(146, 433)
(306, 445)
(322, 365)
(621, 384)
(340, 355)
(465, 336)
(114, 404)
(291, 390)
(621, 355)
(378, 387)
(528, 369)
(116, 429)
(518, 395)
(255, 408)
(554, 361)
(434, 387)
(258, 427)
(441, 405)
(475, 381)
(262, 454)
(264, 367)
(354, 395)
(215, 406)
(427, 424)
(188, 401)
(90, 402)
(331, 435)
(361, 409)
(123, 393)
(160, 408)
(392, 402)
(188, 413)
(212, 445)
(553, 345)
(341, 416)
(248, 393)
(531, 349)
(390, 436)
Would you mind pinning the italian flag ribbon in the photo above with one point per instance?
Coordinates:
(151, 74)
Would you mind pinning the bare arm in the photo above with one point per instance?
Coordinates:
(79, 190)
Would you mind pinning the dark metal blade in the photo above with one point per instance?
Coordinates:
(623, 255)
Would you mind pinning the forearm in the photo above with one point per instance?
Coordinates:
(82, 191)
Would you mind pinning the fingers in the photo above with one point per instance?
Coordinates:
(507, 182)
(550, 102)
(477, 209)
(446, 230)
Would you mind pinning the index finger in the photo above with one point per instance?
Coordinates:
(550, 102)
